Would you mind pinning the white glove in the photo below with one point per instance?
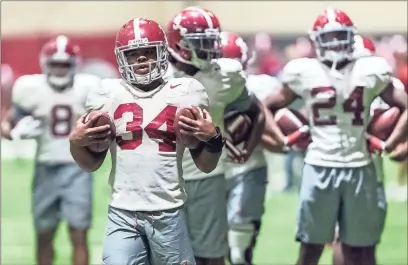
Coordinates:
(26, 128)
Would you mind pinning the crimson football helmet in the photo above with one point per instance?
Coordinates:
(363, 46)
(234, 47)
(136, 35)
(194, 37)
(333, 35)
(59, 58)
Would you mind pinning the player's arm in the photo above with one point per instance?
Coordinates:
(207, 155)
(18, 124)
(84, 135)
(277, 100)
(257, 114)
(251, 106)
(208, 152)
(398, 98)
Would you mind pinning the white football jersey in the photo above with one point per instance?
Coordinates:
(57, 110)
(339, 106)
(146, 172)
(225, 84)
(261, 86)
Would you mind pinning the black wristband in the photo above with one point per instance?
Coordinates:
(216, 143)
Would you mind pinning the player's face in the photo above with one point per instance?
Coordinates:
(332, 39)
(59, 69)
(141, 58)
(205, 48)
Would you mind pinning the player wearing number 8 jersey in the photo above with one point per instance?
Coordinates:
(146, 220)
(45, 107)
(338, 178)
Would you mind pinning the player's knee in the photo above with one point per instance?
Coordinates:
(78, 236)
(45, 237)
(241, 239)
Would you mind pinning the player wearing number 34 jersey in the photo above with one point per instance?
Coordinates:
(45, 107)
(338, 178)
(146, 220)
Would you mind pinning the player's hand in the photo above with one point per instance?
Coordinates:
(202, 128)
(84, 134)
(27, 128)
(374, 144)
(400, 153)
(292, 138)
(236, 155)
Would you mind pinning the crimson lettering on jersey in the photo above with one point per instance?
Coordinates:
(61, 120)
(166, 137)
(354, 104)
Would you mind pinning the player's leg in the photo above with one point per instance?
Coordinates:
(318, 211)
(46, 211)
(207, 219)
(125, 242)
(362, 216)
(245, 206)
(168, 237)
(76, 207)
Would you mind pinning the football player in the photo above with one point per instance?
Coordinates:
(246, 183)
(364, 46)
(194, 45)
(45, 107)
(339, 182)
(146, 219)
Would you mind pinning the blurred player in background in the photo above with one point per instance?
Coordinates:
(338, 92)
(146, 219)
(364, 46)
(194, 36)
(246, 183)
(45, 107)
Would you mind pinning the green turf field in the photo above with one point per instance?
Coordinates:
(276, 244)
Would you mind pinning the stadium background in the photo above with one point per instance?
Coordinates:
(274, 30)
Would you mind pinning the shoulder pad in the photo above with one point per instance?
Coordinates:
(227, 65)
(87, 79)
(374, 65)
(294, 68)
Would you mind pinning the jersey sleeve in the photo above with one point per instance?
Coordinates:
(291, 75)
(195, 95)
(262, 85)
(232, 78)
(24, 94)
(378, 73)
(98, 96)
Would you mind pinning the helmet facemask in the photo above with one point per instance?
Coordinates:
(156, 68)
(203, 47)
(60, 69)
(334, 45)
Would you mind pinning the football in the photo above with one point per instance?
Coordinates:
(104, 119)
(237, 127)
(383, 122)
(289, 121)
(189, 142)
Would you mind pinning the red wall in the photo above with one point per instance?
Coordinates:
(22, 52)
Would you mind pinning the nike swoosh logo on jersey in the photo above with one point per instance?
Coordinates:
(174, 86)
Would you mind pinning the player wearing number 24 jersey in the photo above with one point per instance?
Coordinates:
(146, 219)
(338, 178)
(45, 107)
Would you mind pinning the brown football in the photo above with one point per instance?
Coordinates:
(104, 119)
(190, 142)
(289, 121)
(383, 122)
(237, 128)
